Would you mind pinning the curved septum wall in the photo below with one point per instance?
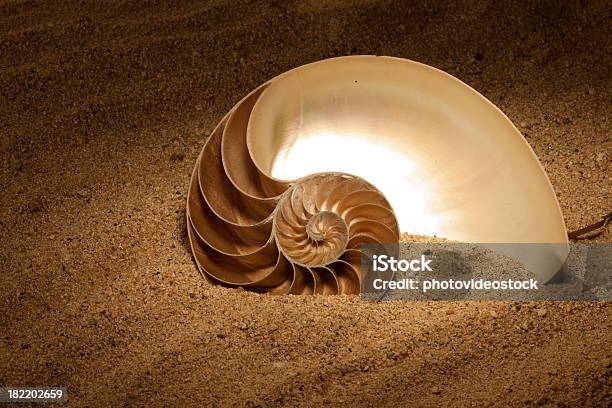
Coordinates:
(266, 235)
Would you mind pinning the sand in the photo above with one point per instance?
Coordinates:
(104, 107)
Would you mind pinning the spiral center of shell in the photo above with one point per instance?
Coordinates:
(309, 227)
(324, 225)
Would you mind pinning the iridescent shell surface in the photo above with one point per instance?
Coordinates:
(352, 150)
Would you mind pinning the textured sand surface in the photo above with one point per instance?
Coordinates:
(104, 107)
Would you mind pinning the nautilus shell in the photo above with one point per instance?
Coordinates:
(352, 150)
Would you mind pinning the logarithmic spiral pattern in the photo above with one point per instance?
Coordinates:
(302, 236)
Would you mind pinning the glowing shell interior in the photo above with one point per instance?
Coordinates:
(350, 150)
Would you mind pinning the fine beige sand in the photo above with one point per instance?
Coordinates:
(104, 107)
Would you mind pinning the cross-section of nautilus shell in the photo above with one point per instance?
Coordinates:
(353, 150)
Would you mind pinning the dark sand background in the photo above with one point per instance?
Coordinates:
(104, 107)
